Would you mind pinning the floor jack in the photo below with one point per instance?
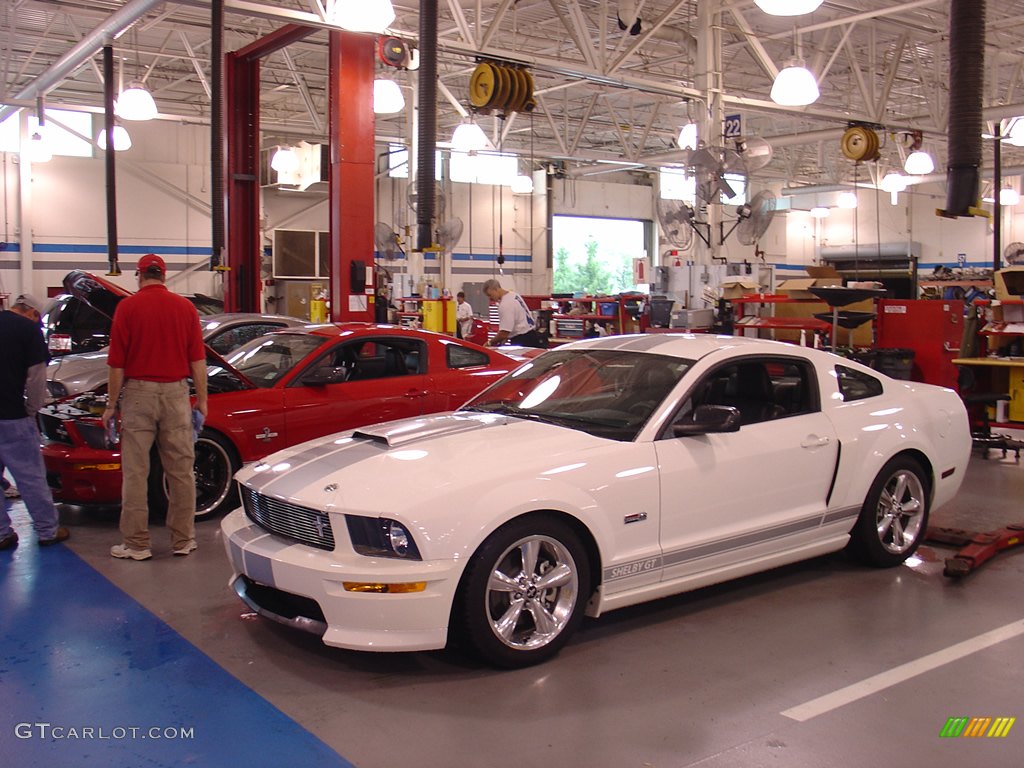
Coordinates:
(975, 548)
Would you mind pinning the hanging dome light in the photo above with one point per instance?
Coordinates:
(788, 7)
(919, 163)
(38, 149)
(893, 182)
(285, 160)
(469, 137)
(795, 86)
(361, 15)
(522, 185)
(820, 212)
(122, 140)
(387, 97)
(847, 200)
(688, 136)
(135, 103)
(1008, 196)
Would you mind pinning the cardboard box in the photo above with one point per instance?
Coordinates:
(799, 287)
(734, 288)
(1009, 283)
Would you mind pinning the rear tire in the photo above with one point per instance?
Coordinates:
(894, 517)
(524, 592)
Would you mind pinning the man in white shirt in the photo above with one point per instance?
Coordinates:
(515, 322)
(463, 315)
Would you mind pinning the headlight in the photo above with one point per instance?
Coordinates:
(381, 537)
(93, 434)
(56, 389)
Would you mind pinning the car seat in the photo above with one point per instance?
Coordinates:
(755, 395)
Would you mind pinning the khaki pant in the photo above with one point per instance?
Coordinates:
(161, 412)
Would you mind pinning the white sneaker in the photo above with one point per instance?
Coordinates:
(125, 552)
(184, 549)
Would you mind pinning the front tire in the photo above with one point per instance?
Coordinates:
(214, 470)
(524, 592)
(894, 517)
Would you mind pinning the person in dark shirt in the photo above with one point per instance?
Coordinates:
(155, 345)
(22, 393)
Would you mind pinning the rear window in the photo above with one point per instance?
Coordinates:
(463, 357)
(856, 385)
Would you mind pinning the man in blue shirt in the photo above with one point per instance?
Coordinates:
(22, 393)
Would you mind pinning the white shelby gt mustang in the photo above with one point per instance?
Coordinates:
(602, 474)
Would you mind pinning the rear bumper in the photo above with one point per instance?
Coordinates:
(82, 475)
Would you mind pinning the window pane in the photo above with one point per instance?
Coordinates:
(60, 141)
(595, 256)
(294, 253)
(483, 168)
(398, 162)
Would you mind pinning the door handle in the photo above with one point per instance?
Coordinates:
(814, 441)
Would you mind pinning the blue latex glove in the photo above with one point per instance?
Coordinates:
(197, 424)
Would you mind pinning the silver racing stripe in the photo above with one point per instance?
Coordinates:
(838, 515)
(311, 457)
(290, 482)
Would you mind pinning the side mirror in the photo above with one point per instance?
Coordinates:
(324, 376)
(708, 419)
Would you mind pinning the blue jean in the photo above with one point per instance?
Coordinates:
(19, 452)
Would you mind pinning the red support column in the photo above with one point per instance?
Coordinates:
(242, 287)
(351, 64)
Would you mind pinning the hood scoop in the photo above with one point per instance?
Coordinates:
(407, 431)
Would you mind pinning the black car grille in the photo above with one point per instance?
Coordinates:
(302, 524)
(53, 428)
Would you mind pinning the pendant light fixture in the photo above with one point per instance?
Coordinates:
(285, 160)
(1008, 196)
(847, 200)
(820, 212)
(361, 15)
(795, 86)
(387, 97)
(918, 162)
(122, 140)
(469, 137)
(688, 136)
(135, 103)
(788, 7)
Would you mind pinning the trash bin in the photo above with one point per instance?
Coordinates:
(896, 363)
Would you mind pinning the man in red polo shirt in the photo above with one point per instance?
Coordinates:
(155, 345)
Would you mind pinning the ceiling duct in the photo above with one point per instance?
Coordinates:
(966, 85)
(427, 129)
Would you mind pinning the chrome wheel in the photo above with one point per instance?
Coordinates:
(532, 593)
(523, 592)
(899, 515)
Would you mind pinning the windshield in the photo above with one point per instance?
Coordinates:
(266, 360)
(607, 393)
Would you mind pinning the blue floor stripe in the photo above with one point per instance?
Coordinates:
(77, 653)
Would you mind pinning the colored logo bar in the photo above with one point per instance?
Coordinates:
(977, 727)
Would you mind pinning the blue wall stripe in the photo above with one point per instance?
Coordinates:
(77, 652)
(172, 250)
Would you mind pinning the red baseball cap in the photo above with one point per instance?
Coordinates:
(152, 263)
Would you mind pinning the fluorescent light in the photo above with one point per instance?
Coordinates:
(820, 212)
(285, 160)
(135, 103)
(1009, 196)
(522, 185)
(795, 86)
(919, 163)
(1016, 132)
(688, 136)
(847, 200)
(788, 7)
(387, 97)
(122, 140)
(38, 149)
(361, 15)
(469, 137)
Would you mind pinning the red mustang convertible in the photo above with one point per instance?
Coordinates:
(273, 392)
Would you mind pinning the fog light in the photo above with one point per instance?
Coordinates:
(100, 467)
(385, 589)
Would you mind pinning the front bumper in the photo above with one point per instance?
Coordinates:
(82, 475)
(303, 587)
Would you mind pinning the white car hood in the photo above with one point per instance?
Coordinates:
(406, 464)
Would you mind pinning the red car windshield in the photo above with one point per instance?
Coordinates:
(608, 393)
(266, 360)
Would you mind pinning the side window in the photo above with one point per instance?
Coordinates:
(856, 385)
(386, 358)
(458, 356)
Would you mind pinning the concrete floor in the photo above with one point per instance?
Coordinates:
(715, 678)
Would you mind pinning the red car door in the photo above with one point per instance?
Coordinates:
(359, 381)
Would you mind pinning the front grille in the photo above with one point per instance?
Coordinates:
(53, 428)
(302, 524)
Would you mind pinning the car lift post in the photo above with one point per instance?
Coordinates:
(976, 548)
